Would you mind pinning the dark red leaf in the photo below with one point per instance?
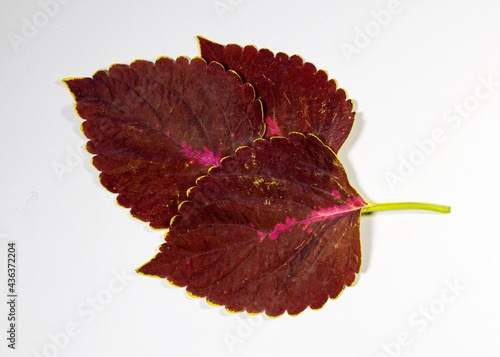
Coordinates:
(274, 229)
(296, 96)
(156, 127)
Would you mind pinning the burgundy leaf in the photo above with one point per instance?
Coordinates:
(296, 96)
(156, 127)
(275, 226)
(274, 229)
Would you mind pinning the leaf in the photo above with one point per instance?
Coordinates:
(275, 228)
(156, 127)
(296, 96)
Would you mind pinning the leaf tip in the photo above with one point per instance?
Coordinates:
(146, 268)
(68, 83)
(142, 270)
(202, 39)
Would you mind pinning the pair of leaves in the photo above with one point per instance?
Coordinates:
(156, 128)
(255, 224)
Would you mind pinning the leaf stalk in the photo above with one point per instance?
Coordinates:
(372, 207)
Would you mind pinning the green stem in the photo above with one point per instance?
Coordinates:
(372, 207)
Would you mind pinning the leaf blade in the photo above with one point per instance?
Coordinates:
(156, 127)
(267, 246)
(297, 97)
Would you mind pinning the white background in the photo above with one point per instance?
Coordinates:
(414, 68)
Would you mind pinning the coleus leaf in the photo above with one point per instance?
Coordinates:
(296, 96)
(275, 228)
(156, 127)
